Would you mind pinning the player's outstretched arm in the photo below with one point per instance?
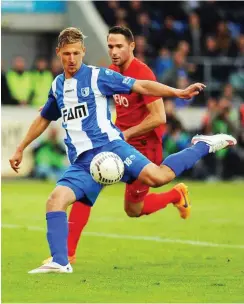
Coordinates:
(37, 127)
(147, 87)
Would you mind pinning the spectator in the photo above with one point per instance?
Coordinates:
(183, 47)
(209, 16)
(175, 139)
(49, 157)
(134, 9)
(42, 80)
(19, 82)
(240, 43)
(228, 161)
(163, 62)
(211, 47)
(143, 49)
(170, 112)
(225, 119)
(237, 81)
(56, 67)
(168, 36)
(206, 127)
(5, 96)
(193, 34)
(108, 10)
(121, 15)
(225, 43)
(228, 93)
(143, 25)
(179, 69)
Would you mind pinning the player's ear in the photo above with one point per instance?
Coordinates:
(132, 46)
(84, 50)
(57, 51)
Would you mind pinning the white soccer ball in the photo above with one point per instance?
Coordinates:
(107, 168)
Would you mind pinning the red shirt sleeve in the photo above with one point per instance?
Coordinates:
(147, 74)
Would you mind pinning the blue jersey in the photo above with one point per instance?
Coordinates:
(82, 102)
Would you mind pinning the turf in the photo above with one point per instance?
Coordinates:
(111, 267)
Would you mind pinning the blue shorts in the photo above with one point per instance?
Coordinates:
(78, 178)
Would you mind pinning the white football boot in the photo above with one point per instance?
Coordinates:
(216, 142)
(52, 267)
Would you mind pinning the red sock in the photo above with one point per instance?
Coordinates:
(156, 201)
(78, 219)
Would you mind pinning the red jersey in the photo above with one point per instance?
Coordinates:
(131, 108)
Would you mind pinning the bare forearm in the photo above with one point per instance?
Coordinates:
(148, 124)
(37, 127)
(154, 88)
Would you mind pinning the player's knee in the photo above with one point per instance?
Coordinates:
(155, 181)
(53, 203)
(131, 213)
(154, 176)
(133, 209)
(56, 202)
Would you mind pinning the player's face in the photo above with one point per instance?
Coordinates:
(71, 56)
(120, 49)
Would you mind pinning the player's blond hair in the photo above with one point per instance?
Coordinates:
(70, 35)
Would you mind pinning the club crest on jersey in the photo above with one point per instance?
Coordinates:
(108, 72)
(85, 91)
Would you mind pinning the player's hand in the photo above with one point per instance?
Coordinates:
(15, 160)
(192, 90)
(40, 109)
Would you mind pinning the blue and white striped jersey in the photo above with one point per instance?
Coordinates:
(82, 102)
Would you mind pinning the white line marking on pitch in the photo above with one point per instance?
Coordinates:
(135, 237)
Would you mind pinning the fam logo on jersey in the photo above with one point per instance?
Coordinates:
(85, 91)
(108, 72)
(126, 80)
(80, 111)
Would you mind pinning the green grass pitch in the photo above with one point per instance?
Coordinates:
(156, 258)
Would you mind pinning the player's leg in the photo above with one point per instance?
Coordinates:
(57, 230)
(139, 202)
(175, 164)
(75, 184)
(78, 218)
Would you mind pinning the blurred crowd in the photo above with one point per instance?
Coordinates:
(173, 37)
(28, 87)
(220, 117)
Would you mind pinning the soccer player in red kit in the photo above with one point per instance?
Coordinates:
(142, 119)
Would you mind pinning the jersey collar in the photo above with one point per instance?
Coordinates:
(80, 72)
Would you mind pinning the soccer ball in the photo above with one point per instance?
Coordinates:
(107, 168)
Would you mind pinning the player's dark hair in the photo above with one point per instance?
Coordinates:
(125, 31)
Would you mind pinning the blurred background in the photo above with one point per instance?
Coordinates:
(183, 42)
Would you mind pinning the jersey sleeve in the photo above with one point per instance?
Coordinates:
(147, 74)
(110, 82)
(50, 110)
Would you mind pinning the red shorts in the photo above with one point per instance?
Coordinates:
(153, 150)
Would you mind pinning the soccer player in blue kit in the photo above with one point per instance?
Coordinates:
(79, 96)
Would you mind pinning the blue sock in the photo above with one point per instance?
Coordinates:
(187, 158)
(57, 233)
